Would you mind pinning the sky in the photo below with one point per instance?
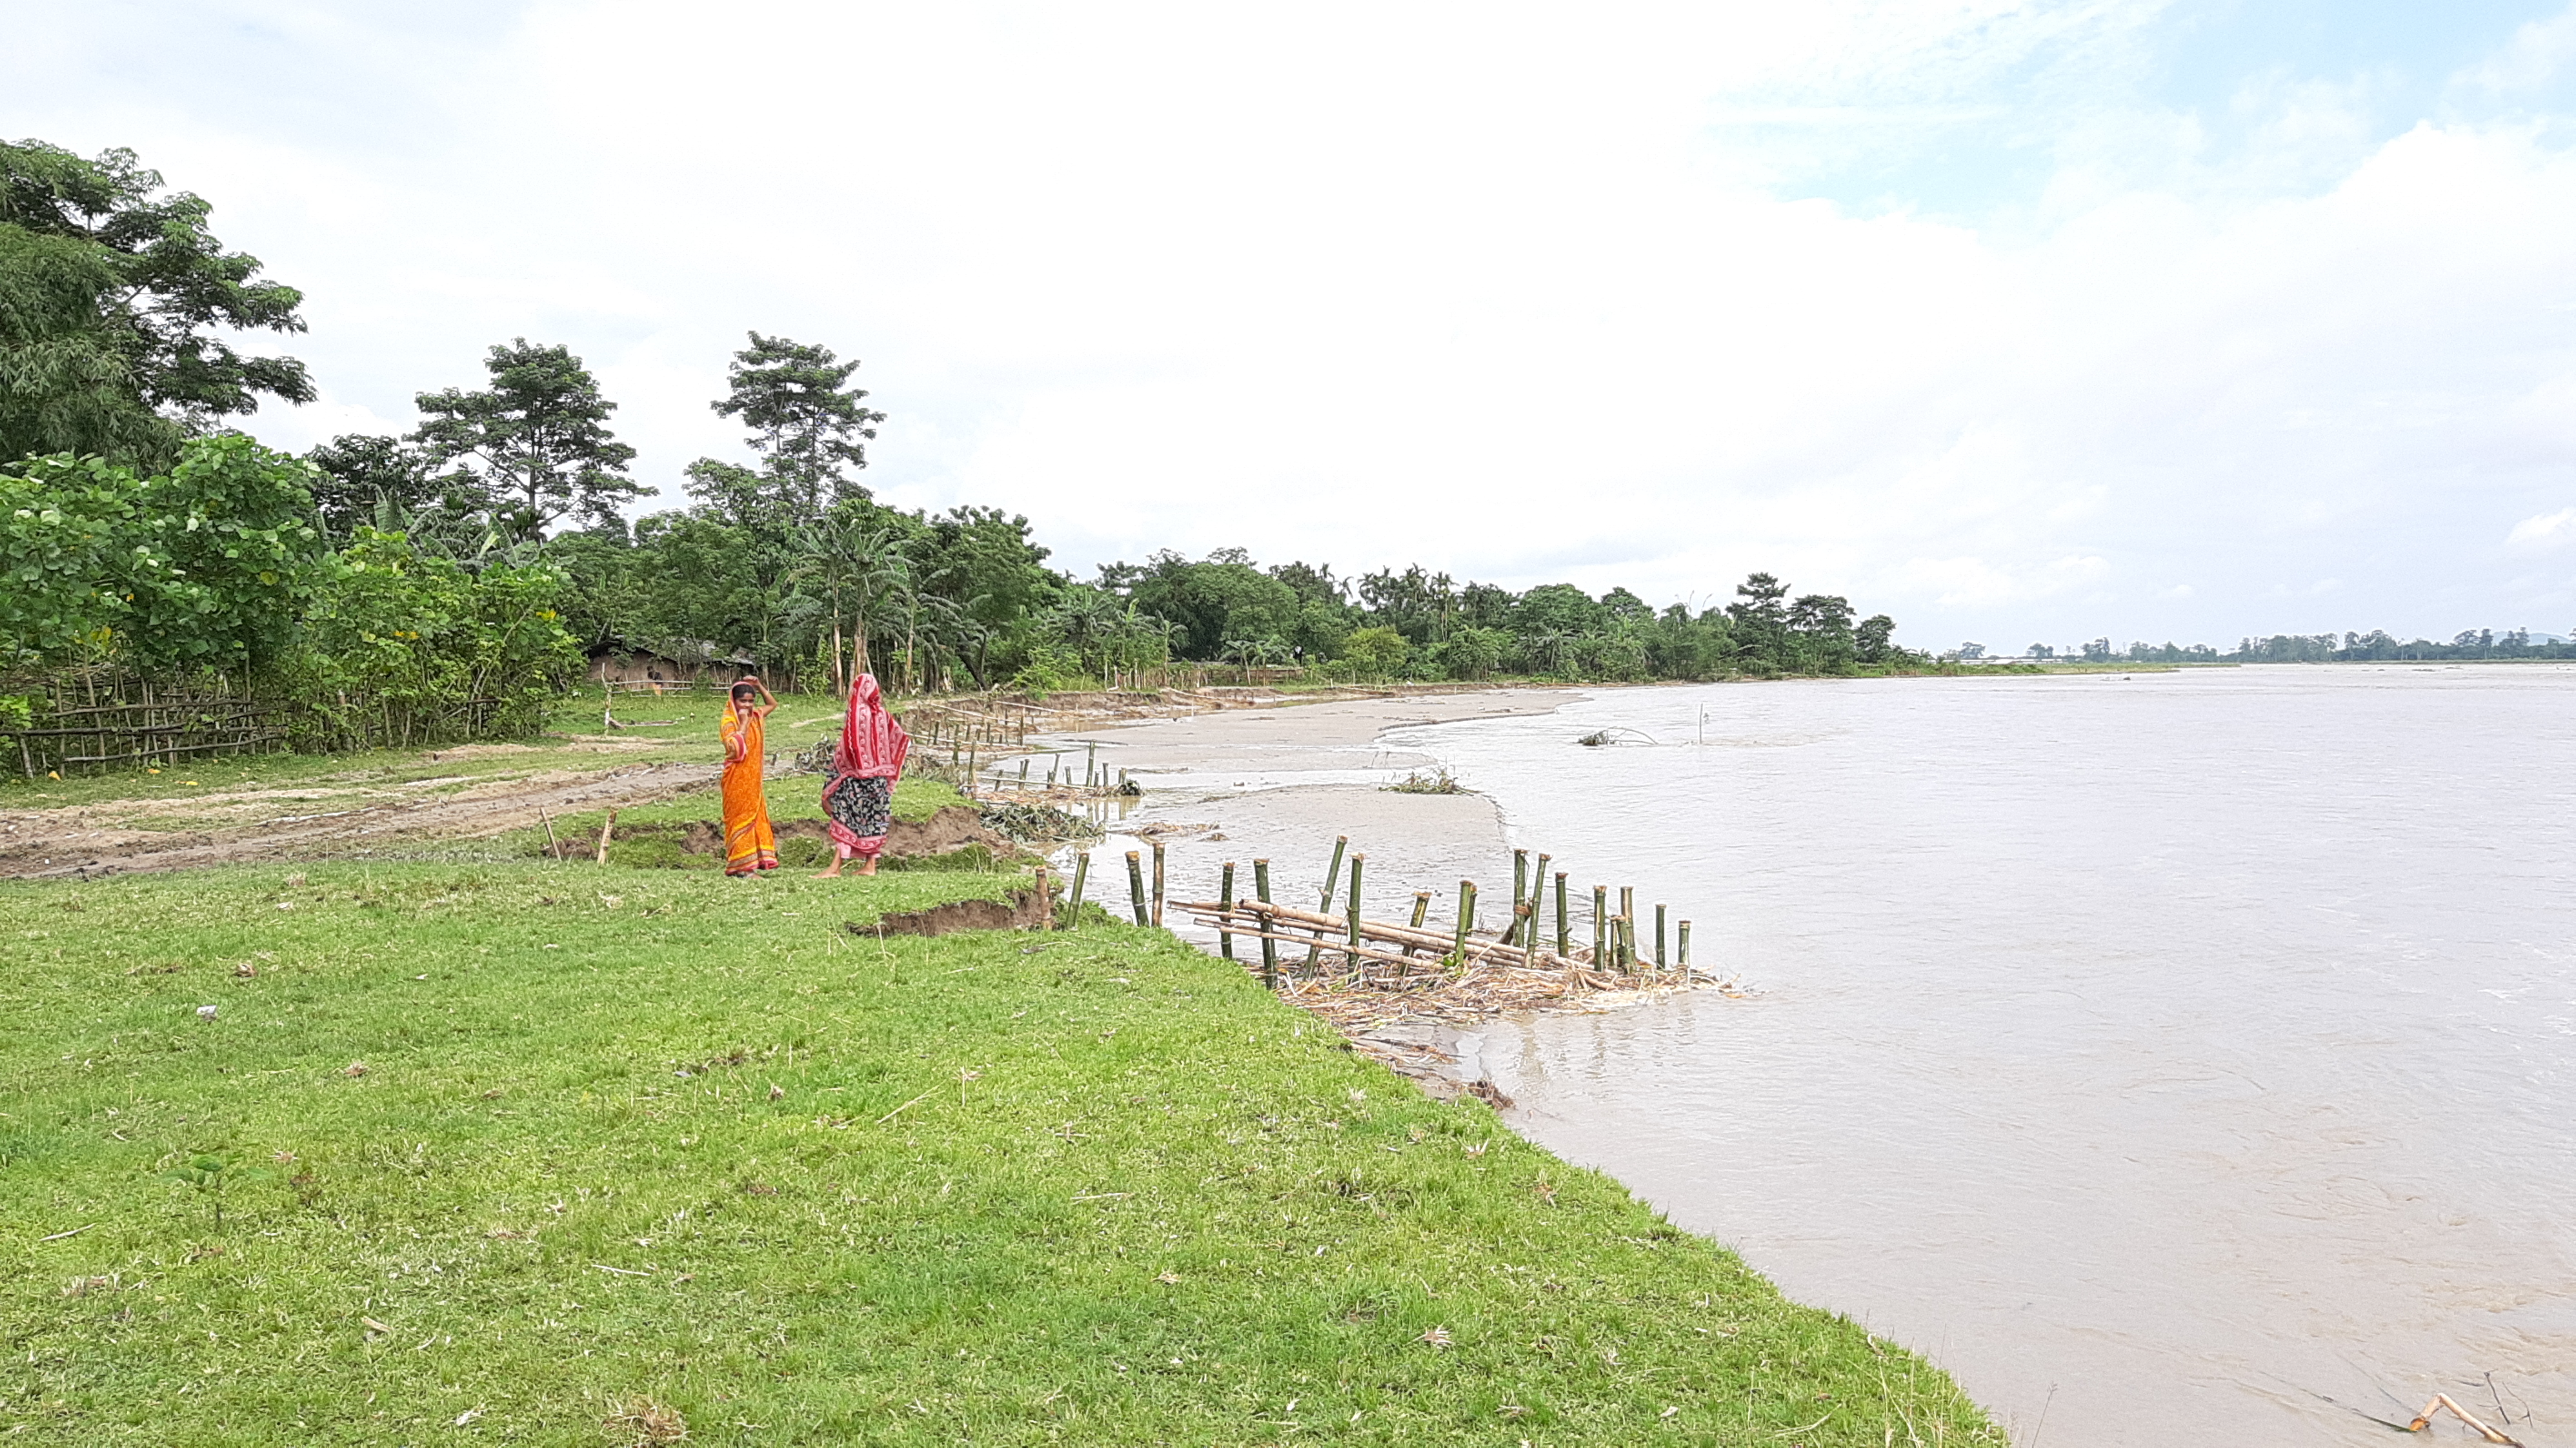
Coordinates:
(2039, 321)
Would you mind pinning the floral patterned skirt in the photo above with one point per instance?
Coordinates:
(861, 813)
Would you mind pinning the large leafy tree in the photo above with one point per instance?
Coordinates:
(207, 565)
(810, 427)
(113, 297)
(536, 441)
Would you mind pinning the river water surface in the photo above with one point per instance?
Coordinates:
(2178, 1057)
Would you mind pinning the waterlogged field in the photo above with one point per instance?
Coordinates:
(532, 1153)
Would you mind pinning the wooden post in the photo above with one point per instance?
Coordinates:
(1073, 903)
(606, 828)
(1090, 759)
(1225, 897)
(1684, 949)
(1046, 899)
(1332, 882)
(1158, 884)
(1659, 937)
(1136, 887)
(1269, 947)
(1359, 862)
(1466, 919)
(1601, 925)
(1564, 947)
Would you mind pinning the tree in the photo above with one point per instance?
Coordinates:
(1870, 641)
(538, 437)
(361, 476)
(1375, 652)
(806, 423)
(207, 565)
(1760, 621)
(111, 296)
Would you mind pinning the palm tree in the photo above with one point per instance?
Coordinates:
(856, 569)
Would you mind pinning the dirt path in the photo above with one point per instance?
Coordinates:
(120, 836)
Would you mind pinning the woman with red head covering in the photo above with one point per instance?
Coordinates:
(860, 799)
(750, 846)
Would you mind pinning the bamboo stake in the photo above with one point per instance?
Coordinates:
(1332, 881)
(1421, 909)
(1359, 862)
(1466, 919)
(1601, 925)
(1269, 947)
(605, 829)
(1684, 943)
(1225, 897)
(1537, 897)
(1136, 887)
(1520, 887)
(1563, 945)
(553, 847)
(1158, 884)
(1659, 937)
(1081, 869)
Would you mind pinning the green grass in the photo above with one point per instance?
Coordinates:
(627, 1135)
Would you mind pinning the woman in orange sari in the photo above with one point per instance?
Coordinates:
(750, 846)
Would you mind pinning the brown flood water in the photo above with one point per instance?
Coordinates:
(2174, 1058)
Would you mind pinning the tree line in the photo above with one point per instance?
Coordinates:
(2378, 645)
(415, 587)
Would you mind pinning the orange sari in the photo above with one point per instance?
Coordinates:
(750, 845)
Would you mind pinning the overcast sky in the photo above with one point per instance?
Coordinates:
(2022, 321)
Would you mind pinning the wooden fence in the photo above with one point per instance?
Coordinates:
(98, 720)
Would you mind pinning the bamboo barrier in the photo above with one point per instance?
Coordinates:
(1370, 962)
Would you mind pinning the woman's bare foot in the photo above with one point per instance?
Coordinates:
(833, 873)
(869, 868)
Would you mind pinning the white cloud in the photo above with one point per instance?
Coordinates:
(1523, 294)
(2544, 531)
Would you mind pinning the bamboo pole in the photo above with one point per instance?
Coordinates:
(1332, 882)
(1683, 943)
(1538, 897)
(1269, 947)
(1466, 919)
(1397, 934)
(1421, 909)
(1225, 896)
(1520, 887)
(1359, 862)
(1659, 937)
(1158, 884)
(1136, 887)
(607, 828)
(553, 847)
(1073, 905)
(1600, 924)
(1563, 945)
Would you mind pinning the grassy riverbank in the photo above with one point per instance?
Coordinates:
(526, 1153)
